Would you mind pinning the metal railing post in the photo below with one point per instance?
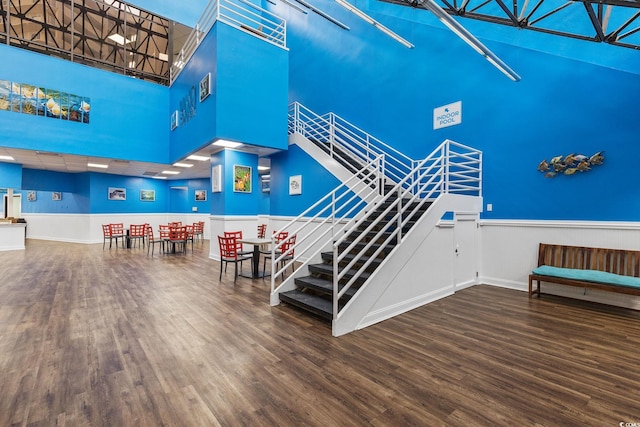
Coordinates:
(446, 167)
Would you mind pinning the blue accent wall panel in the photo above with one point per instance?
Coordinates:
(128, 116)
(100, 203)
(43, 180)
(183, 195)
(73, 188)
(10, 175)
(249, 93)
(563, 105)
(316, 182)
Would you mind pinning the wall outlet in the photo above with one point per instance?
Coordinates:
(194, 209)
(489, 207)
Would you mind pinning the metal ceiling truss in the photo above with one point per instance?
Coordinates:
(615, 22)
(108, 34)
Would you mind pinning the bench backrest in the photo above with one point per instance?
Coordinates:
(618, 261)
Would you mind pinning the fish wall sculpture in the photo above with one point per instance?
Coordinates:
(570, 164)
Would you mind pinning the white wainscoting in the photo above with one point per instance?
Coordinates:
(509, 251)
(87, 228)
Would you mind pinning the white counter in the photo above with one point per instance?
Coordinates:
(12, 236)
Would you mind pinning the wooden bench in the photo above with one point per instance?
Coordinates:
(616, 261)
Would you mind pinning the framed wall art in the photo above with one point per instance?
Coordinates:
(295, 185)
(56, 195)
(205, 87)
(148, 195)
(242, 179)
(117, 193)
(201, 195)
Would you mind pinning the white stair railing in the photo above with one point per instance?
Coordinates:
(240, 14)
(345, 140)
(450, 168)
(323, 222)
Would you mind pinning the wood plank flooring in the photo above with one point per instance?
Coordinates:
(115, 338)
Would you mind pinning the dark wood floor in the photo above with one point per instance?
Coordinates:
(115, 338)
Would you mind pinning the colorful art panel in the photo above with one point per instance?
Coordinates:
(28, 97)
(5, 95)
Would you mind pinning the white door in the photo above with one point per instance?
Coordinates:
(465, 250)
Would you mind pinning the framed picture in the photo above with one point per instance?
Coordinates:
(56, 195)
(31, 196)
(201, 195)
(205, 87)
(148, 195)
(266, 184)
(216, 179)
(295, 185)
(117, 193)
(242, 179)
(174, 120)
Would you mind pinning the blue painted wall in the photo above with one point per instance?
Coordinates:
(561, 106)
(228, 201)
(249, 93)
(10, 175)
(183, 196)
(316, 182)
(128, 116)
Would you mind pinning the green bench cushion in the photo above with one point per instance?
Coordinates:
(588, 276)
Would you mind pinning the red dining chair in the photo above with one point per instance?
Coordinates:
(152, 240)
(178, 238)
(198, 230)
(287, 249)
(137, 232)
(262, 231)
(107, 234)
(239, 246)
(229, 253)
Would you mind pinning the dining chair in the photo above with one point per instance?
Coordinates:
(178, 238)
(287, 249)
(198, 230)
(239, 246)
(229, 253)
(279, 237)
(190, 234)
(108, 235)
(152, 241)
(262, 231)
(137, 232)
(116, 232)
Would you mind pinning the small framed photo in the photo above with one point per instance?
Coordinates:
(174, 120)
(31, 196)
(117, 193)
(242, 179)
(56, 195)
(205, 87)
(148, 195)
(201, 195)
(295, 185)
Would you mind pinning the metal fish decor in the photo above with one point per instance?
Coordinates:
(569, 165)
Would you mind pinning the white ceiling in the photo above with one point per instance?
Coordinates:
(68, 163)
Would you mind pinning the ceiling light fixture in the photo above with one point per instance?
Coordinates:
(370, 20)
(170, 172)
(198, 158)
(6, 158)
(159, 177)
(97, 165)
(183, 165)
(226, 144)
(469, 38)
(263, 168)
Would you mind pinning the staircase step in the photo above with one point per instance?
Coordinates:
(324, 286)
(326, 270)
(327, 258)
(309, 302)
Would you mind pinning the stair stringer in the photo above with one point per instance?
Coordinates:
(336, 169)
(416, 272)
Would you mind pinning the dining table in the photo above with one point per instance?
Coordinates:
(257, 242)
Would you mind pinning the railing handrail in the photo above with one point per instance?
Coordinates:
(343, 199)
(271, 28)
(450, 168)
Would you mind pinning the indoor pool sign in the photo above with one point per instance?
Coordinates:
(447, 115)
